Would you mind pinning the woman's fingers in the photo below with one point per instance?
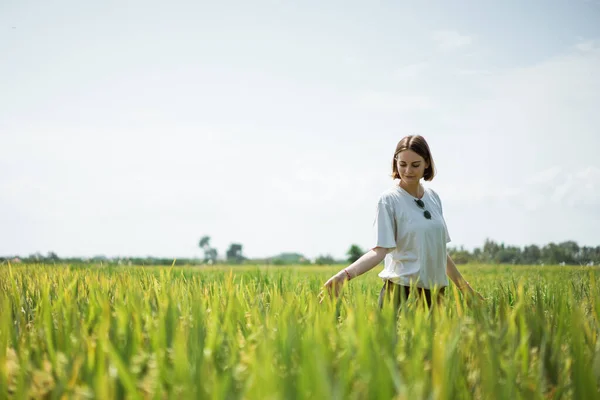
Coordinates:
(332, 286)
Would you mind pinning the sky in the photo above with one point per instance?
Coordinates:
(133, 128)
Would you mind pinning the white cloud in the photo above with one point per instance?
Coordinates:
(525, 141)
(411, 71)
(543, 115)
(580, 188)
(395, 102)
(588, 45)
(451, 40)
(476, 192)
(544, 177)
(215, 154)
(551, 187)
(474, 72)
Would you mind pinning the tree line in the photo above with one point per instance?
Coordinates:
(492, 252)
(566, 253)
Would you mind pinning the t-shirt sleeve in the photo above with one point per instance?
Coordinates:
(384, 226)
(439, 201)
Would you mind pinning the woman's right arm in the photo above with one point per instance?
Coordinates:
(365, 263)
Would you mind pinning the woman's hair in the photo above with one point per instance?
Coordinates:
(417, 144)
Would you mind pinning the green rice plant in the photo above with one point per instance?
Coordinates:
(252, 332)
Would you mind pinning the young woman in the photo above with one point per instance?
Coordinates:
(410, 233)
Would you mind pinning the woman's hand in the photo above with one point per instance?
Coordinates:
(458, 280)
(478, 295)
(472, 292)
(365, 263)
(334, 285)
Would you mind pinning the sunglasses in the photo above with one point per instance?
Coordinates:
(421, 205)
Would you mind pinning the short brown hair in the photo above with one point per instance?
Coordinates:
(417, 144)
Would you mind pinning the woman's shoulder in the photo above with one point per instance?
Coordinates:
(389, 195)
(434, 195)
(432, 192)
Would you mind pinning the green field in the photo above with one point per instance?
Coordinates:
(261, 333)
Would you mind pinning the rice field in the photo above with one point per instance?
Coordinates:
(260, 333)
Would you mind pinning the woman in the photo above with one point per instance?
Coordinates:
(410, 230)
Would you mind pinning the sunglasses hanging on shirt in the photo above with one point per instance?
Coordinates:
(421, 205)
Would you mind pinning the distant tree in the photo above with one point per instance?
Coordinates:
(490, 249)
(52, 257)
(460, 256)
(588, 254)
(552, 253)
(204, 242)
(531, 255)
(508, 255)
(99, 258)
(354, 253)
(570, 251)
(289, 259)
(324, 260)
(477, 254)
(210, 253)
(35, 257)
(234, 253)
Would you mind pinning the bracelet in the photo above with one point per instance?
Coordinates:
(348, 274)
(464, 286)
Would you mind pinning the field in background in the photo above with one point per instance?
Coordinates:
(260, 333)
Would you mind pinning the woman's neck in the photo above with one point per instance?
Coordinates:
(413, 189)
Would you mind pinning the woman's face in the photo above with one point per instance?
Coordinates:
(411, 166)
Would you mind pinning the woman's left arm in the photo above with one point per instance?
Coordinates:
(457, 278)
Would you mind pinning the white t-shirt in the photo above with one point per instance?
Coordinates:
(417, 245)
